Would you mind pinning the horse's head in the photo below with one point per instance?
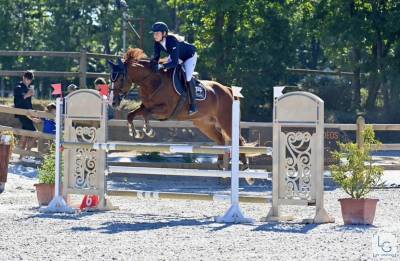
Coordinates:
(119, 80)
(124, 73)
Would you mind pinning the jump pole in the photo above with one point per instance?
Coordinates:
(234, 213)
(58, 204)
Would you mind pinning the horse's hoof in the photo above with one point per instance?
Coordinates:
(2, 187)
(139, 135)
(152, 134)
(149, 132)
(250, 181)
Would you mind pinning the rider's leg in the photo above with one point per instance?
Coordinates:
(189, 66)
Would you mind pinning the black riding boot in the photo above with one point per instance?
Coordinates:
(192, 97)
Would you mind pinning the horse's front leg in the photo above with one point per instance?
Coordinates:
(141, 111)
(147, 129)
(159, 109)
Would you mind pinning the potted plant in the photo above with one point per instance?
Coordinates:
(357, 176)
(7, 144)
(45, 187)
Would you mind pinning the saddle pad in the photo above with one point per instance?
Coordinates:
(180, 88)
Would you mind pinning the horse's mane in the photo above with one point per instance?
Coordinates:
(134, 55)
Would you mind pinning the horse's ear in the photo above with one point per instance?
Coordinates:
(120, 63)
(112, 65)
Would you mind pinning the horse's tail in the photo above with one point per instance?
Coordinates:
(243, 140)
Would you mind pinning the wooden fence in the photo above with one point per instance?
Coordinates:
(357, 128)
(83, 56)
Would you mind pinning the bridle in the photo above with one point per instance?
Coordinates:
(115, 75)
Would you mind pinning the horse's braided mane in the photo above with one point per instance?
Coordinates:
(135, 55)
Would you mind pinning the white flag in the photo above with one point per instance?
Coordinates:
(236, 91)
(278, 91)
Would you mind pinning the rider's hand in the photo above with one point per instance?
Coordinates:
(160, 67)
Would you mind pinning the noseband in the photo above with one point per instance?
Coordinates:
(114, 77)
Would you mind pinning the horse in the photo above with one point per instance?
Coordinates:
(159, 100)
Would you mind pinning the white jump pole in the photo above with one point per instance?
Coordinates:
(58, 204)
(234, 213)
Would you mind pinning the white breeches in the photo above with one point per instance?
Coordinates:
(189, 65)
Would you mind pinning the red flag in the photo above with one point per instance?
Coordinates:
(104, 89)
(89, 201)
(57, 89)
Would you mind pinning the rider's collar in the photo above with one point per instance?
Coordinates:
(163, 42)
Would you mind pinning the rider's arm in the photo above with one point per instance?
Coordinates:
(157, 52)
(173, 44)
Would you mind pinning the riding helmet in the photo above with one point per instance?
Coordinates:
(159, 27)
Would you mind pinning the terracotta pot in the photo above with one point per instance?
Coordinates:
(44, 193)
(358, 211)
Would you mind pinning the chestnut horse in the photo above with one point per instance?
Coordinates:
(159, 100)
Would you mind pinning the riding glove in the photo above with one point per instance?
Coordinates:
(160, 67)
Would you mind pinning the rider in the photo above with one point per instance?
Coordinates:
(178, 50)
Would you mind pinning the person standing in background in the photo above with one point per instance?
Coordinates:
(97, 85)
(23, 93)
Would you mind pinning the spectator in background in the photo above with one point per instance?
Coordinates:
(49, 125)
(98, 82)
(23, 93)
(71, 88)
(97, 85)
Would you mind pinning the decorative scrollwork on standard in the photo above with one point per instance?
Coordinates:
(298, 164)
(84, 163)
(86, 134)
(85, 169)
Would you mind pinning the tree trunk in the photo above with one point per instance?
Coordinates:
(219, 44)
(356, 83)
(174, 17)
(374, 88)
(228, 38)
(315, 49)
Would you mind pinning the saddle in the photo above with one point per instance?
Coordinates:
(179, 82)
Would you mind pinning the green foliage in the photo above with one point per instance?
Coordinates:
(243, 43)
(354, 171)
(151, 156)
(47, 172)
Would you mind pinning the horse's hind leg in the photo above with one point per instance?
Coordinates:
(242, 157)
(225, 121)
